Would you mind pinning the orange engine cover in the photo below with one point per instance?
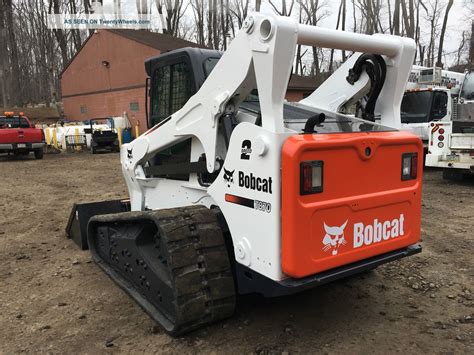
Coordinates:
(365, 208)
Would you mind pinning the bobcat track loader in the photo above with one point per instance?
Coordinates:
(233, 194)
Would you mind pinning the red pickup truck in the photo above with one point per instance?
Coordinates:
(19, 137)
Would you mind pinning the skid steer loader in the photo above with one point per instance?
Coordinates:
(233, 193)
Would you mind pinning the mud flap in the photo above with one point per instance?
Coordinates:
(81, 213)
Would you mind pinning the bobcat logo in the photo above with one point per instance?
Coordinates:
(129, 153)
(229, 177)
(334, 238)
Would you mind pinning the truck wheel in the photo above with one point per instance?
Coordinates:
(173, 262)
(39, 153)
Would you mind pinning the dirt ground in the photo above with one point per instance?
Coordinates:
(54, 299)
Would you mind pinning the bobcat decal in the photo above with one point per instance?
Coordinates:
(229, 176)
(334, 238)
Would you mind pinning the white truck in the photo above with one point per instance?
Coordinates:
(431, 96)
(451, 142)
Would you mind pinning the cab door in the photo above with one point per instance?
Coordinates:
(172, 85)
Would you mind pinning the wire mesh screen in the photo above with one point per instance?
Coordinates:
(181, 86)
(162, 85)
(171, 89)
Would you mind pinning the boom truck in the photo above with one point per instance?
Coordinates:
(431, 95)
(451, 141)
(233, 196)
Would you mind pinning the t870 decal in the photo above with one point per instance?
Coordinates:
(248, 202)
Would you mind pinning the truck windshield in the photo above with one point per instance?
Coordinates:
(467, 91)
(13, 122)
(416, 106)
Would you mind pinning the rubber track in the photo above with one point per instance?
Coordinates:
(198, 263)
(200, 267)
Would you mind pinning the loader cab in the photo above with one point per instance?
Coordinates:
(173, 78)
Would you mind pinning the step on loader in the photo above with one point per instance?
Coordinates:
(233, 190)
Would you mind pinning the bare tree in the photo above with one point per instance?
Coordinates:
(198, 12)
(76, 34)
(314, 12)
(117, 7)
(258, 3)
(174, 13)
(471, 47)
(13, 51)
(396, 19)
(409, 17)
(461, 47)
(331, 59)
(432, 16)
(284, 10)
(239, 9)
(3, 53)
(370, 10)
(142, 7)
(225, 17)
(354, 18)
(439, 63)
(59, 33)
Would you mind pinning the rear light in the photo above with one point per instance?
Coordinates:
(311, 177)
(441, 131)
(440, 144)
(441, 138)
(409, 166)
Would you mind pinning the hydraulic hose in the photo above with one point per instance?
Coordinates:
(375, 67)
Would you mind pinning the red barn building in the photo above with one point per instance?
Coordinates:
(107, 75)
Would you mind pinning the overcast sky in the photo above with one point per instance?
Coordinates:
(459, 20)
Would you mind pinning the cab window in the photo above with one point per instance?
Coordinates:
(13, 122)
(440, 106)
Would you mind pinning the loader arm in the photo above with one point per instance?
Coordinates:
(261, 57)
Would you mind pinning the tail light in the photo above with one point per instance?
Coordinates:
(441, 138)
(441, 131)
(311, 177)
(409, 166)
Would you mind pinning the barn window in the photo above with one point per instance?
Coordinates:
(83, 109)
(134, 106)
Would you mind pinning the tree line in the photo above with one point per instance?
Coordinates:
(33, 56)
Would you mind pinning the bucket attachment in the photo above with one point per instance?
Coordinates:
(81, 213)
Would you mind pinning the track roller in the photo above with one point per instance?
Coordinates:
(173, 262)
